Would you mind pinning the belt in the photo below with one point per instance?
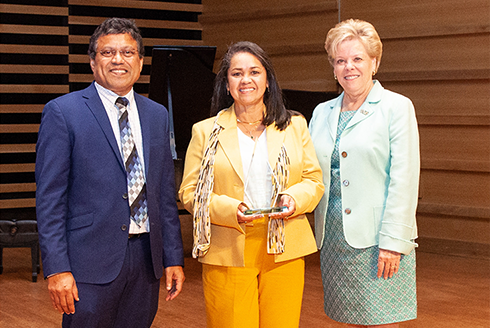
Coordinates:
(136, 235)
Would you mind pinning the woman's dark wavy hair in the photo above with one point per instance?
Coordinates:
(116, 25)
(273, 99)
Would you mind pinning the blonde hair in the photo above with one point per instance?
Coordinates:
(352, 29)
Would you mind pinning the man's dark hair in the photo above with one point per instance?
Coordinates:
(116, 26)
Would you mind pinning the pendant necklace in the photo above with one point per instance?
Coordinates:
(250, 123)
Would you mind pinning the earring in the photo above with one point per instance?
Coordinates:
(268, 89)
(374, 72)
(335, 77)
(228, 92)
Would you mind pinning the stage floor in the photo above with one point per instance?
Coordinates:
(453, 292)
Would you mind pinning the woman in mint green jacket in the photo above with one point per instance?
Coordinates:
(367, 144)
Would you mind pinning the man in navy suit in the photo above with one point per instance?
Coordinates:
(104, 266)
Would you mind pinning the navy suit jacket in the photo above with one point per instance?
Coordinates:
(82, 208)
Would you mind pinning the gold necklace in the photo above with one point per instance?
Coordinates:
(251, 123)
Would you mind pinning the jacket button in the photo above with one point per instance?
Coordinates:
(345, 183)
(347, 211)
(124, 227)
(344, 154)
(125, 196)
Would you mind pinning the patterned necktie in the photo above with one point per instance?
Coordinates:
(134, 171)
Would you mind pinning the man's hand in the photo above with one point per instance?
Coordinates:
(63, 292)
(174, 277)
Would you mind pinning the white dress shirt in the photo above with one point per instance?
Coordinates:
(109, 101)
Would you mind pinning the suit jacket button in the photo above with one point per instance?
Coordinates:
(124, 227)
(347, 211)
(344, 154)
(345, 183)
(125, 196)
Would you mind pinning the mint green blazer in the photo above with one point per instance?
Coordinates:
(379, 170)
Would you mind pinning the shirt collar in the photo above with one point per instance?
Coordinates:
(111, 96)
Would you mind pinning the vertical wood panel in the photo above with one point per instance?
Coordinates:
(438, 54)
(435, 52)
(291, 32)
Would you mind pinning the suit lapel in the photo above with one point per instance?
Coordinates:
(362, 113)
(95, 105)
(368, 107)
(145, 118)
(275, 140)
(333, 118)
(228, 140)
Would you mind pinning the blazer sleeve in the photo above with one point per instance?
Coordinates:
(398, 227)
(308, 191)
(52, 171)
(173, 250)
(222, 208)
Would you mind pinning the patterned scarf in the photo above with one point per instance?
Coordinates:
(276, 237)
(204, 188)
(202, 195)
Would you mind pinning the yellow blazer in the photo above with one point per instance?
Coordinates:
(305, 187)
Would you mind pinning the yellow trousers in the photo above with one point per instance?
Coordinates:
(262, 294)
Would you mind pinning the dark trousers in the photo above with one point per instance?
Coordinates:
(131, 300)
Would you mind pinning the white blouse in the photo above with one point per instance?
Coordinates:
(256, 170)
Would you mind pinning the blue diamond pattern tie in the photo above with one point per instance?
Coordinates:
(134, 171)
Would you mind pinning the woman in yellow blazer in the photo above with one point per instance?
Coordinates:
(252, 154)
(368, 147)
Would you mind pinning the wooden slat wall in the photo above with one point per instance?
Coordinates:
(44, 55)
(34, 69)
(435, 52)
(161, 23)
